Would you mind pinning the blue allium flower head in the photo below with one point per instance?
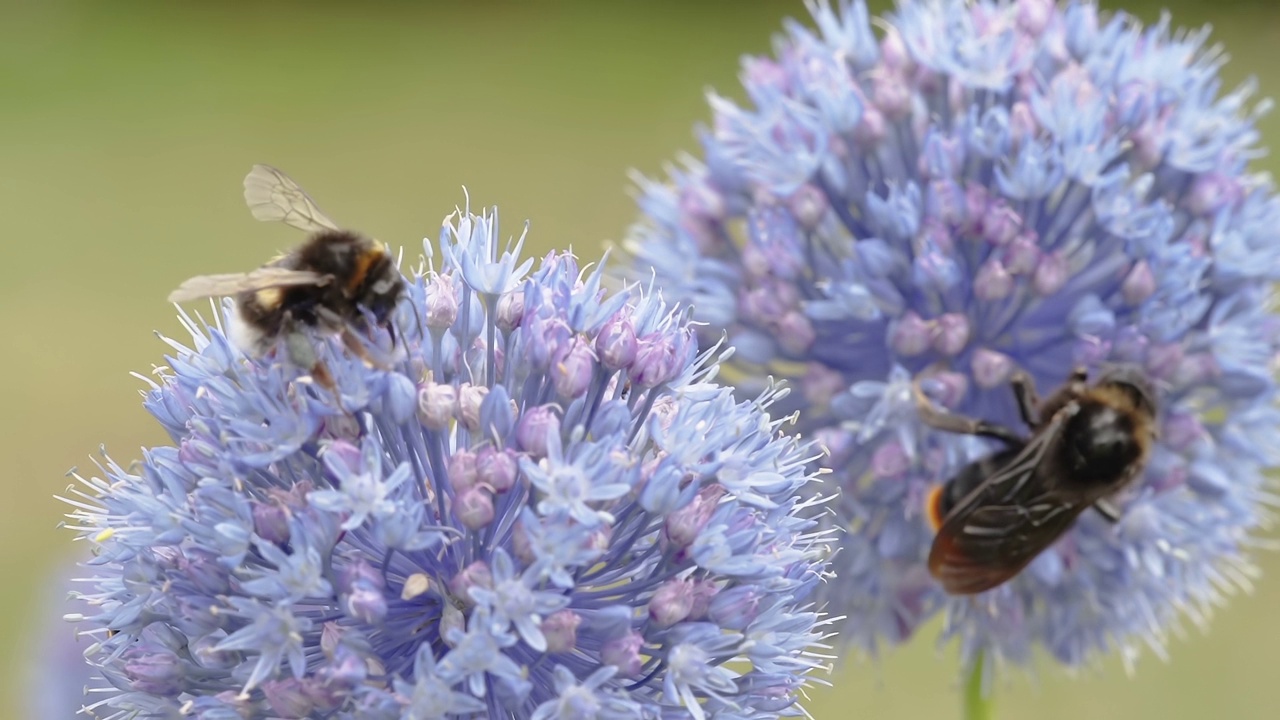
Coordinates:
(978, 188)
(543, 508)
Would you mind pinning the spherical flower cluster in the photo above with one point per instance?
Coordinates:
(540, 506)
(980, 188)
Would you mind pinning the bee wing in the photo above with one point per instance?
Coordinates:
(203, 286)
(273, 196)
(1004, 523)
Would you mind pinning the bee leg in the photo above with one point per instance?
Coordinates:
(358, 349)
(302, 352)
(950, 422)
(1024, 392)
(1109, 512)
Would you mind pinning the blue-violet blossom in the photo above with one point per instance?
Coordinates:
(543, 508)
(981, 187)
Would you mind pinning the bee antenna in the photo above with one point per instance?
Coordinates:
(417, 320)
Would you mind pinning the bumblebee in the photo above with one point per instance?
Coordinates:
(336, 280)
(1087, 443)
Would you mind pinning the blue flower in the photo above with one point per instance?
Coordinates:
(531, 513)
(981, 188)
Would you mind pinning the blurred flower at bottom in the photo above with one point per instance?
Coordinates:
(57, 675)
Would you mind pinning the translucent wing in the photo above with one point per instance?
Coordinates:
(273, 196)
(1000, 527)
(203, 286)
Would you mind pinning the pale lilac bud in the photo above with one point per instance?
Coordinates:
(289, 698)
(795, 333)
(1021, 255)
(477, 574)
(510, 310)
(1034, 15)
(736, 608)
(560, 628)
(872, 128)
(436, 404)
(572, 373)
(671, 603)
(946, 387)
(462, 471)
(473, 508)
(1050, 275)
(890, 460)
(204, 571)
(1182, 430)
(359, 573)
(951, 334)
(442, 303)
(624, 654)
(1163, 360)
(820, 383)
(521, 545)
(977, 202)
(153, 669)
(1000, 224)
(470, 398)
(655, 362)
(1139, 284)
(347, 453)
(704, 591)
(616, 343)
(1148, 145)
(1081, 20)
(993, 281)
(891, 95)
(271, 522)
(910, 335)
(1196, 368)
(496, 468)
(682, 526)
(1212, 192)
(990, 368)
(535, 427)
(808, 206)
(893, 51)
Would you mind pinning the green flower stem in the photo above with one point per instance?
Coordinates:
(978, 705)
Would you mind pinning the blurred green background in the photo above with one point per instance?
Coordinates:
(125, 130)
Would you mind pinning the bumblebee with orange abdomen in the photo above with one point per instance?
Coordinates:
(331, 282)
(1087, 443)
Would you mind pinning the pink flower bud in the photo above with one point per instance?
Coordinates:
(561, 630)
